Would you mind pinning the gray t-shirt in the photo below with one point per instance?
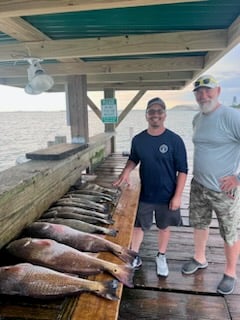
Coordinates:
(216, 138)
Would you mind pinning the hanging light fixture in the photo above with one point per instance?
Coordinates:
(38, 80)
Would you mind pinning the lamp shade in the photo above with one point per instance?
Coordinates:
(29, 90)
(39, 81)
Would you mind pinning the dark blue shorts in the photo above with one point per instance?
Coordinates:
(163, 216)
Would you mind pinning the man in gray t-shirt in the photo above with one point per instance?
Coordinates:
(216, 179)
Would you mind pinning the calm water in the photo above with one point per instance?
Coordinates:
(23, 132)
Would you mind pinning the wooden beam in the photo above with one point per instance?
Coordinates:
(138, 86)
(94, 108)
(155, 85)
(16, 8)
(214, 56)
(130, 106)
(161, 43)
(110, 67)
(76, 93)
(141, 77)
(21, 30)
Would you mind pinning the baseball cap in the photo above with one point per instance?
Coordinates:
(156, 100)
(206, 81)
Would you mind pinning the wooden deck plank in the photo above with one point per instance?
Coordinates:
(155, 305)
(203, 281)
(232, 301)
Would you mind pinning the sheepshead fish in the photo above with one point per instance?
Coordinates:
(52, 254)
(79, 240)
(82, 226)
(25, 279)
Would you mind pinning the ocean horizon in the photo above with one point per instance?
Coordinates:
(28, 131)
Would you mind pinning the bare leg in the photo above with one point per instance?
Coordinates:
(137, 239)
(200, 241)
(163, 238)
(232, 254)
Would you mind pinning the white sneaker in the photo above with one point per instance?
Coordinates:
(162, 267)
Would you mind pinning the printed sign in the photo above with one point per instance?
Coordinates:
(109, 110)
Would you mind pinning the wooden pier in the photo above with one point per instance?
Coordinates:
(178, 296)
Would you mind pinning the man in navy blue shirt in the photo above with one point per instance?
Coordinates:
(161, 154)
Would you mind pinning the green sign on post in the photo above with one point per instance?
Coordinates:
(109, 110)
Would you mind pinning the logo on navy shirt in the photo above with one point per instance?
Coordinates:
(163, 148)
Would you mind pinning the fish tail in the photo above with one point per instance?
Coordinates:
(108, 290)
(125, 274)
(125, 255)
(110, 232)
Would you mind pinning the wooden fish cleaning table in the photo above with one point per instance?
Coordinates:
(89, 306)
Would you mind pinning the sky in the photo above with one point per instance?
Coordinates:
(226, 71)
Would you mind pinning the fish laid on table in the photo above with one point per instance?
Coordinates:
(82, 226)
(69, 208)
(77, 216)
(79, 240)
(93, 196)
(98, 188)
(87, 204)
(52, 254)
(25, 279)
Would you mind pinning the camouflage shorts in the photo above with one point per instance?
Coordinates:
(204, 201)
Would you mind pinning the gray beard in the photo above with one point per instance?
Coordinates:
(208, 107)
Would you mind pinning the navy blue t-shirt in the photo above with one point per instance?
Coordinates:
(160, 158)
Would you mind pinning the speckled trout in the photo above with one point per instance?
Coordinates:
(25, 279)
(79, 240)
(52, 254)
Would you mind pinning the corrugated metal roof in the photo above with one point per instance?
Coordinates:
(162, 33)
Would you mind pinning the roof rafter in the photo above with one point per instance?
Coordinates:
(162, 43)
(111, 67)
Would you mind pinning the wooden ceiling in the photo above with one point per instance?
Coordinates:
(124, 45)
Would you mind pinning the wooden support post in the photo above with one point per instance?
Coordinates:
(110, 127)
(76, 96)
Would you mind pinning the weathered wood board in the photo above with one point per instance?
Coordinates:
(56, 152)
(159, 305)
(28, 189)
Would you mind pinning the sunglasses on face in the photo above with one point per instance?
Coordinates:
(204, 82)
(151, 112)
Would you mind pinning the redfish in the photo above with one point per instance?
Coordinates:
(79, 240)
(25, 279)
(60, 257)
